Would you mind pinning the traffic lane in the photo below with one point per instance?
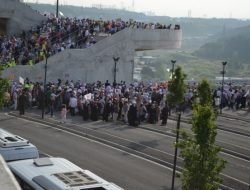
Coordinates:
(236, 167)
(147, 138)
(123, 169)
(232, 140)
(234, 124)
(165, 144)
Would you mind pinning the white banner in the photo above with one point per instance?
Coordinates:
(21, 80)
(88, 96)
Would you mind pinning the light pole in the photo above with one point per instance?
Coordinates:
(173, 63)
(133, 67)
(57, 8)
(224, 63)
(44, 85)
(175, 153)
(116, 59)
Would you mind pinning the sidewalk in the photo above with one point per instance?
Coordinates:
(243, 115)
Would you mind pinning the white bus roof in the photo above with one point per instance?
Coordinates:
(7, 139)
(58, 174)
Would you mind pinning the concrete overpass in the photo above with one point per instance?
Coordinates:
(96, 62)
(16, 16)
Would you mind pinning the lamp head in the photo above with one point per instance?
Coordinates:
(224, 63)
(173, 61)
(116, 58)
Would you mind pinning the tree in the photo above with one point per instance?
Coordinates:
(176, 92)
(176, 88)
(3, 88)
(202, 164)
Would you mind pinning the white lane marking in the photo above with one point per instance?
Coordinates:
(245, 183)
(96, 142)
(126, 140)
(236, 158)
(225, 131)
(117, 148)
(238, 146)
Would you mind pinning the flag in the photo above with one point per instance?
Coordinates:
(246, 94)
(21, 80)
(88, 96)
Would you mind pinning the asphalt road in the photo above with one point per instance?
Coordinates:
(128, 171)
(160, 144)
(163, 143)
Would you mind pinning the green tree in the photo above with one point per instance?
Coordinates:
(175, 97)
(3, 88)
(202, 164)
(177, 88)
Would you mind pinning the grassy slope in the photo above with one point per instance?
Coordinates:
(197, 68)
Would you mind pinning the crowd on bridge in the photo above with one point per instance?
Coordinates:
(131, 103)
(57, 34)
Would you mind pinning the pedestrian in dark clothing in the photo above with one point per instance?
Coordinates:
(85, 111)
(132, 116)
(22, 103)
(107, 110)
(94, 111)
(164, 115)
(152, 114)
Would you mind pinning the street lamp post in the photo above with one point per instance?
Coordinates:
(133, 67)
(224, 63)
(173, 63)
(57, 8)
(175, 153)
(116, 59)
(44, 85)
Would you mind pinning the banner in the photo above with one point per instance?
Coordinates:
(88, 96)
(21, 80)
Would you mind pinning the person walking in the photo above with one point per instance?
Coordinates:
(72, 104)
(64, 113)
(164, 114)
(22, 103)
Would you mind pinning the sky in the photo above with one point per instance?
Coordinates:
(175, 8)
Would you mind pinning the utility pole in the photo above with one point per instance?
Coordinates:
(116, 59)
(224, 63)
(173, 63)
(133, 67)
(175, 153)
(44, 85)
(57, 8)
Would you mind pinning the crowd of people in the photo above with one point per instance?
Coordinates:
(131, 103)
(57, 34)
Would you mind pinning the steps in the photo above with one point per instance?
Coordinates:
(96, 62)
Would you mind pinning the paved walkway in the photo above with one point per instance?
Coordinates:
(243, 115)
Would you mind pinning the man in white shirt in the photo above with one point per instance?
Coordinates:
(72, 104)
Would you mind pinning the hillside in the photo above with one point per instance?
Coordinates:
(233, 47)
